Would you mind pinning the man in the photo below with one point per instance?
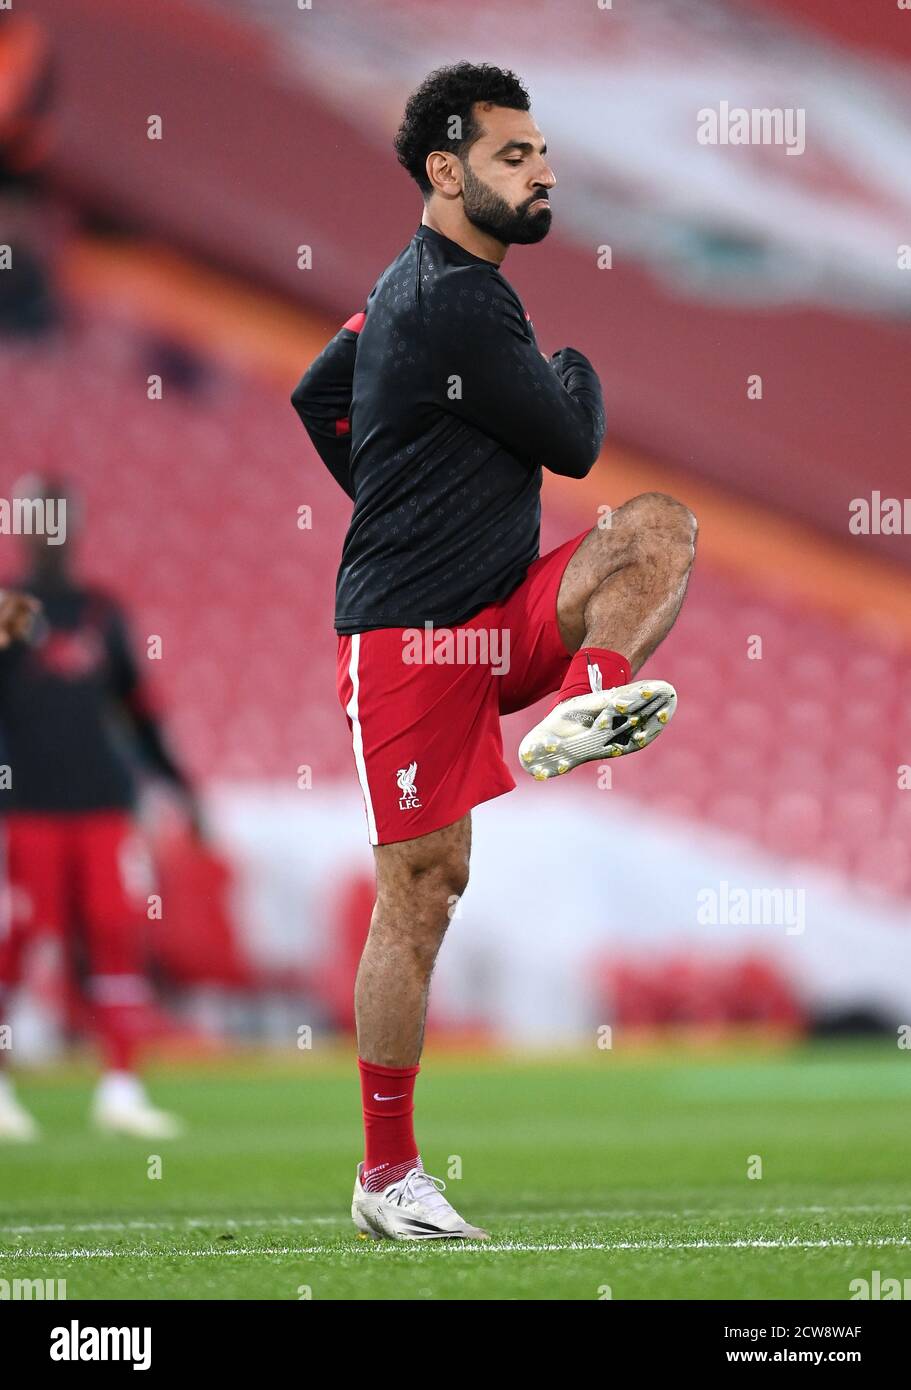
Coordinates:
(436, 412)
(71, 702)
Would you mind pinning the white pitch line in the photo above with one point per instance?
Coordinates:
(478, 1247)
(507, 1247)
(228, 1223)
(148, 1254)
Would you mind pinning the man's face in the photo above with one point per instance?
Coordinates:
(507, 178)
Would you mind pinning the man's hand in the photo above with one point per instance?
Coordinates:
(17, 613)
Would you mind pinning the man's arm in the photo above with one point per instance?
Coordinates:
(133, 697)
(322, 399)
(489, 372)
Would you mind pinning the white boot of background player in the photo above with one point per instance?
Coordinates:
(16, 1124)
(121, 1106)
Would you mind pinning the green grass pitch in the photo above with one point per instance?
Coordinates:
(592, 1171)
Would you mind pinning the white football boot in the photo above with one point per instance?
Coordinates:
(413, 1208)
(16, 1125)
(121, 1106)
(605, 724)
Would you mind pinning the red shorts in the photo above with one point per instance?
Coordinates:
(424, 705)
(73, 872)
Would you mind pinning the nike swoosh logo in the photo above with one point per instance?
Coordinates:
(377, 1096)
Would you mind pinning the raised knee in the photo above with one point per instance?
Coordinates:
(661, 509)
(662, 519)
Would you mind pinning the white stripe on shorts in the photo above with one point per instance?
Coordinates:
(357, 736)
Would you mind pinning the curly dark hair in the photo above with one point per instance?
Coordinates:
(448, 92)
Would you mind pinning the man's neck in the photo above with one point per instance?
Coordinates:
(49, 579)
(466, 235)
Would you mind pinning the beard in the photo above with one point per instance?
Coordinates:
(490, 213)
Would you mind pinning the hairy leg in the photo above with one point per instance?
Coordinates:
(623, 587)
(418, 884)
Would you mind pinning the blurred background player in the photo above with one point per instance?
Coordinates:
(74, 714)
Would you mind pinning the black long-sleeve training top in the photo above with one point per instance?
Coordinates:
(436, 411)
(75, 718)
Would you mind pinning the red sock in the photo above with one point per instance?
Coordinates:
(594, 668)
(388, 1099)
(120, 1004)
(118, 1033)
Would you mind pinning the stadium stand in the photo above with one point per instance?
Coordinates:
(195, 522)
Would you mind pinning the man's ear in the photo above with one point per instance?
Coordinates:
(445, 173)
